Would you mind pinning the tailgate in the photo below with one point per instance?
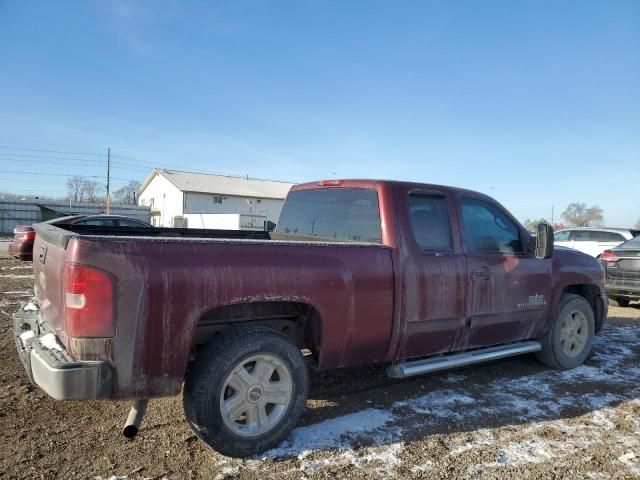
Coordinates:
(49, 252)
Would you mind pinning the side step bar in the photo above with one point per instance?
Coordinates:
(446, 362)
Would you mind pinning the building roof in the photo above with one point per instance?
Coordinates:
(222, 185)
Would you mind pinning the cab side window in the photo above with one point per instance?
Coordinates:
(430, 222)
(487, 229)
(562, 236)
(611, 237)
(585, 236)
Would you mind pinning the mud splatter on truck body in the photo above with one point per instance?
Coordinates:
(348, 301)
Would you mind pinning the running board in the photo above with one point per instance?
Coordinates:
(446, 362)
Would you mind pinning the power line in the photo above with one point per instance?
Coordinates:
(50, 163)
(151, 164)
(63, 175)
(26, 155)
(50, 151)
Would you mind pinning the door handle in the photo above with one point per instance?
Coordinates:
(483, 272)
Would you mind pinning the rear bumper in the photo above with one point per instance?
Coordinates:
(50, 367)
(621, 290)
(23, 251)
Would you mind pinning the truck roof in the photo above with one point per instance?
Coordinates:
(373, 183)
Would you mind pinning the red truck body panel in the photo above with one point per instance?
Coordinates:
(375, 303)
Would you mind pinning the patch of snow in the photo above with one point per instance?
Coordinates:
(331, 433)
(24, 336)
(30, 307)
(629, 458)
(539, 398)
(454, 378)
(50, 341)
(442, 403)
(535, 451)
(422, 467)
(19, 267)
(225, 472)
(13, 275)
(18, 292)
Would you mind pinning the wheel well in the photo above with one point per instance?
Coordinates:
(591, 294)
(299, 321)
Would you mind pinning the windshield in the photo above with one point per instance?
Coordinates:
(349, 214)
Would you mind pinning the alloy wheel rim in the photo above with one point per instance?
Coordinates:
(574, 333)
(255, 395)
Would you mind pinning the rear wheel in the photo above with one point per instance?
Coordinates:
(570, 338)
(246, 391)
(619, 301)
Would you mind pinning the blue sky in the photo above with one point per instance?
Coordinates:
(535, 103)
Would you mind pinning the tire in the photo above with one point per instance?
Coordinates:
(232, 373)
(570, 339)
(619, 301)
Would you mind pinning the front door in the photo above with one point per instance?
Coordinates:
(434, 275)
(508, 289)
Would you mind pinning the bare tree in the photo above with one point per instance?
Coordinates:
(89, 190)
(532, 225)
(129, 193)
(75, 187)
(578, 215)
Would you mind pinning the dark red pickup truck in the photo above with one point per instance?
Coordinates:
(422, 277)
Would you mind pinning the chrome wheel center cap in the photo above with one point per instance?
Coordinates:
(254, 394)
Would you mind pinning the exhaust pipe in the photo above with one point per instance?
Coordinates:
(135, 417)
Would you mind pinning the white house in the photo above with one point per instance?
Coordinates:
(198, 200)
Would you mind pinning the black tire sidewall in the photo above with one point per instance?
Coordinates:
(572, 303)
(204, 383)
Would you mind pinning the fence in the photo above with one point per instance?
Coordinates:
(27, 212)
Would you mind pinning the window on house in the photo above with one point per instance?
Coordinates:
(217, 200)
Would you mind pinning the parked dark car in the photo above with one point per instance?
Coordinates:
(22, 245)
(622, 272)
(24, 235)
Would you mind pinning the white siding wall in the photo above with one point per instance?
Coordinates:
(163, 197)
(204, 203)
(225, 221)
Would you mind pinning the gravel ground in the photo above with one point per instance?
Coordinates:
(509, 419)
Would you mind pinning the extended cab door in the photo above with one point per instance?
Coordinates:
(433, 273)
(508, 288)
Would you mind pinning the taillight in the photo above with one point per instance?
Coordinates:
(23, 232)
(88, 302)
(26, 236)
(608, 257)
(330, 183)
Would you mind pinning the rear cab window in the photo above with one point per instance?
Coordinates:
(430, 222)
(331, 214)
(562, 236)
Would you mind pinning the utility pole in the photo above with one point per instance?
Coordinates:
(108, 178)
(552, 219)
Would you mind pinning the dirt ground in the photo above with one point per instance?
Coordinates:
(510, 419)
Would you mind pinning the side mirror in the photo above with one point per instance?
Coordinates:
(544, 241)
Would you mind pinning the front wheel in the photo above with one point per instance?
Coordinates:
(246, 391)
(570, 338)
